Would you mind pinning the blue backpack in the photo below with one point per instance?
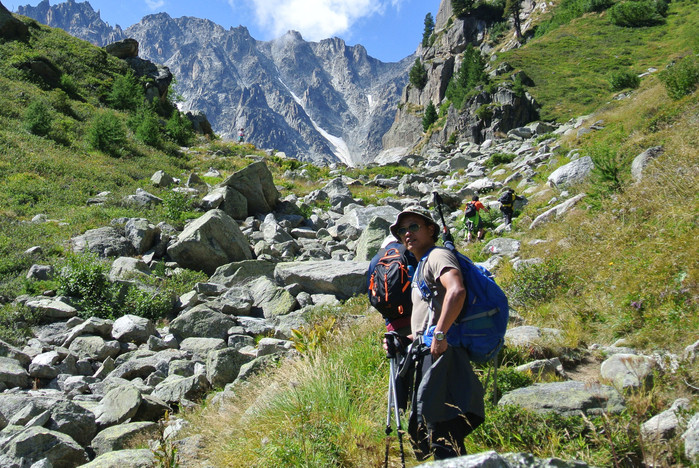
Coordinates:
(481, 326)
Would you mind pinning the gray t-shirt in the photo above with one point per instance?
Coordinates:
(437, 263)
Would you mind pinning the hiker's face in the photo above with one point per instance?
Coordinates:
(415, 239)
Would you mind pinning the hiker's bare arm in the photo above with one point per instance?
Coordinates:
(451, 307)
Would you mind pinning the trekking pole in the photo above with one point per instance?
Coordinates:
(438, 203)
(393, 401)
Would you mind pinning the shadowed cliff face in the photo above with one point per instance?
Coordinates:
(317, 101)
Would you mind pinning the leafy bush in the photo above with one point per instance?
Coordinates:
(37, 118)
(533, 284)
(84, 277)
(179, 129)
(622, 80)
(682, 78)
(597, 5)
(177, 205)
(500, 158)
(429, 117)
(126, 93)
(418, 74)
(106, 133)
(153, 305)
(484, 112)
(68, 84)
(16, 322)
(637, 13)
(608, 170)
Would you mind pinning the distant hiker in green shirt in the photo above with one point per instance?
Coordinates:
(473, 219)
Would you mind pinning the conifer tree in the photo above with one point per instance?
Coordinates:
(430, 116)
(429, 29)
(418, 74)
(513, 8)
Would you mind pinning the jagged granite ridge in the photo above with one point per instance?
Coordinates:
(318, 101)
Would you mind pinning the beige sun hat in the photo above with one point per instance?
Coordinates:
(415, 210)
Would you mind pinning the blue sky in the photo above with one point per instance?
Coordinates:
(389, 29)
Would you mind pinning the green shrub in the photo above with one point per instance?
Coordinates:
(633, 13)
(84, 277)
(418, 74)
(534, 284)
(484, 112)
(623, 80)
(37, 118)
(682, 78)
(608, 169)
(179, 129)
(153, 305)
(106, 133)
(461, 7)
(177, 205)
(146, 127)
(429, 117)
(597, 5)
(68, 84)
(126, 93)
(16, 322)
(500, 158)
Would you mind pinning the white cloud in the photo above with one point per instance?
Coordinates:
(315, 19)
(155, 4)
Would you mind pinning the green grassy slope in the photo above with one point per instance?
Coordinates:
(571, 65)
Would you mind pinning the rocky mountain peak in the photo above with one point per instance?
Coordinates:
(316, 101)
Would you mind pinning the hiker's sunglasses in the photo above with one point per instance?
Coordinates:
(412, 227)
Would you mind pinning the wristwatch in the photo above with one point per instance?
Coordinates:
(439, 335)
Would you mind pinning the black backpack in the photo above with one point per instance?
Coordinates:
(507, 198)
(470, 210)
(388, 281)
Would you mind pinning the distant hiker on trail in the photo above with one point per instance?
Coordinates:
(507, 203)
(473, 218)
(447, 398)
(241, 135)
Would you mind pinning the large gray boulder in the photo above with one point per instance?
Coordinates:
(105, 242)
(9, 351)
(13, 374)
(52, 309)
(176, 388)
(566, 398)
(372, 237)
(628, 370)
(503, 246)
(64, 416)
(557, 211)
(133, 458)
(240, 272)
(342, 279)
(44, 365)
(272, 299)
(642, 160)
(132, 328)
(94, 347)
(256, 184)
(201, 321)
(117, 437)
(142, 234)
(223, 366)
(209, 242)
(664, 426)
(691, 439)
(118, 405)
(22, 447)
(572, 173)
(503, 460)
